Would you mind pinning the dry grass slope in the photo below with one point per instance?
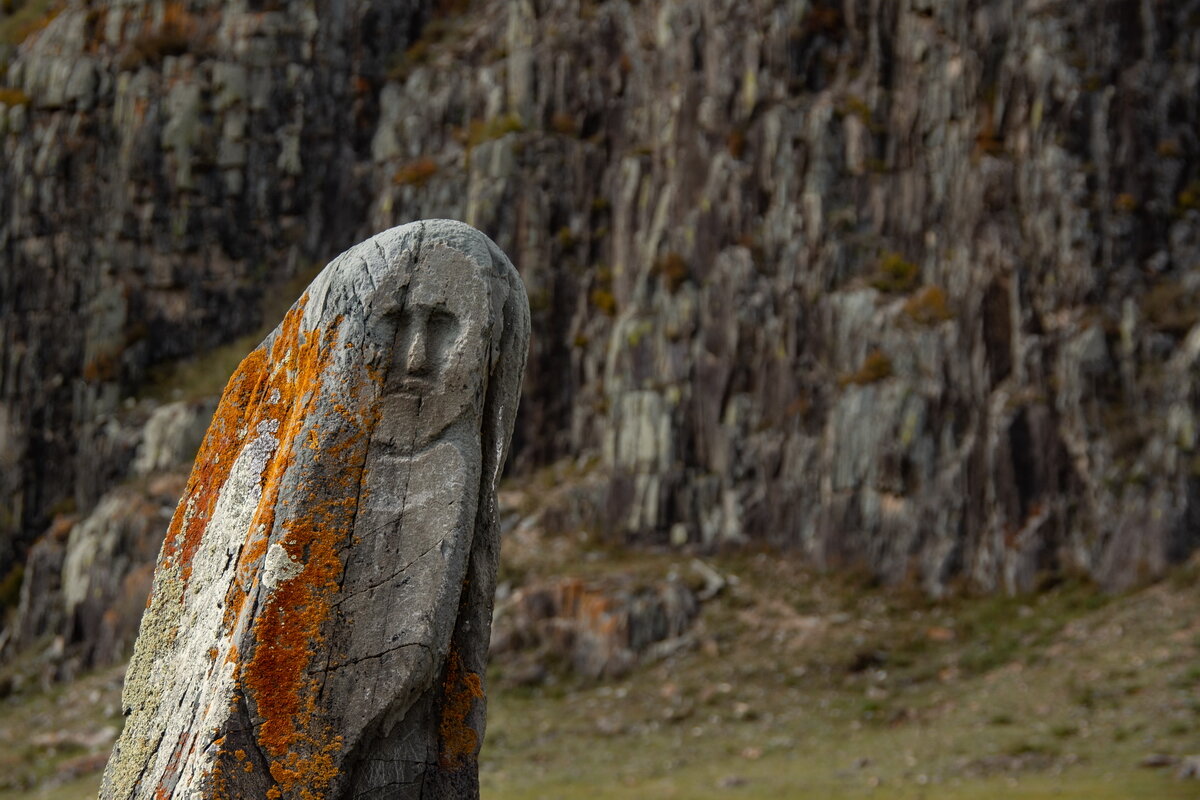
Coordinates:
(795, 684)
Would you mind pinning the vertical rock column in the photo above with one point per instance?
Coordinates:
(321, 608)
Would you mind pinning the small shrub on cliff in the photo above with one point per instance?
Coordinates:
(673, 270)
(826, 19)
(26, 19)
(928, 306)
(1125, 203)
(1169, 148)
(601, 296)
(10, 587)
(480, 130)
(564, 124)
(875, 367)
(604, 300)
(1171, 308)
(420, 51)
(896, 274)
(853, 105)
(1189, 198)
(416, 173)
(440, 32)
(104, 367)
(13, 97)
(178, 33)
(735, 143)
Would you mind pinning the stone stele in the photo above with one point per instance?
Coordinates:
(319, 621)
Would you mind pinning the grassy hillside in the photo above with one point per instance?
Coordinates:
(797, 685)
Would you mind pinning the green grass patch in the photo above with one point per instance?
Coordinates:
(206, 374)
(27, 19)
(895, 273)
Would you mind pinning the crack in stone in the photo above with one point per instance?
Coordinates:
(392, 576)
(332, 667)
(382, 260)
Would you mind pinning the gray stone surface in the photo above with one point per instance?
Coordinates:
(319, 621)
(171, 436)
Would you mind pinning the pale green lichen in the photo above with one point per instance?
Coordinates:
(142, 694)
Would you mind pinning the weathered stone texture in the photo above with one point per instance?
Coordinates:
(86, 579)
(174, 160)
(598, 630)
(319, 621)
(909, 286)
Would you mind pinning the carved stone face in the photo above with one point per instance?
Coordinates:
(439, 358)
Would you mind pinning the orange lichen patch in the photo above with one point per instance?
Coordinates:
(311, 774)
(458, 742)
(225, 438)
(928, 306)
(311, 525)
(288, 381)
(285, 632)
(287, 348)
(594, 610)
(416, 173)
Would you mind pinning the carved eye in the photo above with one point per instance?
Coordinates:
(441, 331)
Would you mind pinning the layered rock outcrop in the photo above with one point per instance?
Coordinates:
(909, 286)
(163, 164)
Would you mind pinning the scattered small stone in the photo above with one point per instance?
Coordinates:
(731, 782)
(1189, 768)
(610, 725)
(714, 582)
(743, 712)
(81, 765)
(940, 633)
(526, 673)
(1158, 760)
(677, 713)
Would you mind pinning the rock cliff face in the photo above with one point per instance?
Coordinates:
(908, 286)
(164, 164)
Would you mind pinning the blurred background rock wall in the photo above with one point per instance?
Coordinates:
(912, 287)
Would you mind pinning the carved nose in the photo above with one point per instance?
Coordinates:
(418, 358)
